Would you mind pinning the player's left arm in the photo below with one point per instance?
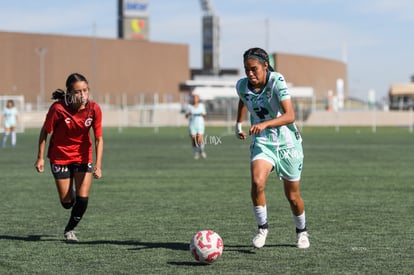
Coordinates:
(99, 144)
(241, 114)
(97, 169)
(287, 117)
(40, 162)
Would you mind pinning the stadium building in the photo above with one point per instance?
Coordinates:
(401, 96)
(33, 65)
(133, 71)
(119, 71)
(127, 72)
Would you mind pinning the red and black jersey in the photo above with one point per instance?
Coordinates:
(71, 141)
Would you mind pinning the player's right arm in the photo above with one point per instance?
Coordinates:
(241, 114)
(40, 162)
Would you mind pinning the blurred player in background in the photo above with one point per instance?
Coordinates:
(10, 117)
(196, 111)
(69, 121)
(276, 141)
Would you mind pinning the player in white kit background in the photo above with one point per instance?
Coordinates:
(196, 112)
(10, 117)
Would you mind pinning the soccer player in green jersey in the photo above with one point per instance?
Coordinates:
(276, 141)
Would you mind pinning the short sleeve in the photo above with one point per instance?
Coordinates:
(52, 117)
(97, 124)
(282, 89)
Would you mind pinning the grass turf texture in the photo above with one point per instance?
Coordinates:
(357, 186)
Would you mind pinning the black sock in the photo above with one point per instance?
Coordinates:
(77, 212)
(264, 226)
(300, 230)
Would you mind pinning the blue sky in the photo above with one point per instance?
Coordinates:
(375, 37)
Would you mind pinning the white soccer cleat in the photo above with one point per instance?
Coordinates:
(259, 239)
(203, 155)
(302, 240)
(196, 155)
(70, 236)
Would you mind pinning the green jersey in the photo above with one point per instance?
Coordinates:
(266, 105)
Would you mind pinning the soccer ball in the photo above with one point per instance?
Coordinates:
(206, 246)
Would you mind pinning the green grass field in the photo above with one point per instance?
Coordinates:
(357, 186)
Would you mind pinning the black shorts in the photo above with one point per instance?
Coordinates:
(67, 171)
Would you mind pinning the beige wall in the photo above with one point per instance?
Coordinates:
(113, 67)
(132, 68)
(319, 73)
(173, 117)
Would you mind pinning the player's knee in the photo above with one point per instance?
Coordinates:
(294, 199)
(258, 186)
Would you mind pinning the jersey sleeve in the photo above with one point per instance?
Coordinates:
(52, 117)
(238, 86)
(282, 89)
(97, 121)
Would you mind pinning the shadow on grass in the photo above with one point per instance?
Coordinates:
(139, 245)
(248, 249)
(188, 264)
(245, 249)
(29, 238)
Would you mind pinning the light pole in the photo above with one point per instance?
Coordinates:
(41, 52)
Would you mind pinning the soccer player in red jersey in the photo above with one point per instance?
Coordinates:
(69, 121)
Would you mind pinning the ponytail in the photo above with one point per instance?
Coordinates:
(58, 94)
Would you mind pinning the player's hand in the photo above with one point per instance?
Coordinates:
(257, 128)
(97, 172)
(239, 132)
(241, 135)
(40, 165)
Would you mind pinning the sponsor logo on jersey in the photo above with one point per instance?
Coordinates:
(67, 120)
(88, 121)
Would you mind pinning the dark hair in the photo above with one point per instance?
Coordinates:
(70, 81)
(259, 54)
(58, 94)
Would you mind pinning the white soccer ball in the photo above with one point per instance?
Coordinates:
(206, 246)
